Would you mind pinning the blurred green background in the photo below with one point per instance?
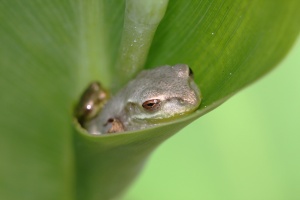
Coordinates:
(247, 149)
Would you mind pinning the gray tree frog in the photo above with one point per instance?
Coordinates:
(154, 97)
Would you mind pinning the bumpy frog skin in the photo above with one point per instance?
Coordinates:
(154, 97)
(91, 102)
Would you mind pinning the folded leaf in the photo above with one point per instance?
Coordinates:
(51, 50)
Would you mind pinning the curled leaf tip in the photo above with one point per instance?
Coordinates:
(140, 23)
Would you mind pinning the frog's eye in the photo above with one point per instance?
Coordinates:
(152, 104)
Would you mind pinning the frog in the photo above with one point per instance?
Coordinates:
(154, 97)
(91, 102)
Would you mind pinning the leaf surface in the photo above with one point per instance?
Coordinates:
(51, 50)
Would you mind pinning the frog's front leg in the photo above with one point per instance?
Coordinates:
(113, 125)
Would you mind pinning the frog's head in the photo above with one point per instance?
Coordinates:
(162, 93)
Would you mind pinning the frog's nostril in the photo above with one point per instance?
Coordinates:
(191, 73)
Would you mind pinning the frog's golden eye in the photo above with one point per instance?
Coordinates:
(152, 104)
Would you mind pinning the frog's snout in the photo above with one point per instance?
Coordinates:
(194, 96)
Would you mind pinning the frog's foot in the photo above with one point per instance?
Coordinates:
(114, 125)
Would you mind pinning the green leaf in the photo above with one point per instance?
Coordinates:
(246, 149)
(51, 50)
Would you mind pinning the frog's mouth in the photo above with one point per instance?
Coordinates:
(161, 120)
